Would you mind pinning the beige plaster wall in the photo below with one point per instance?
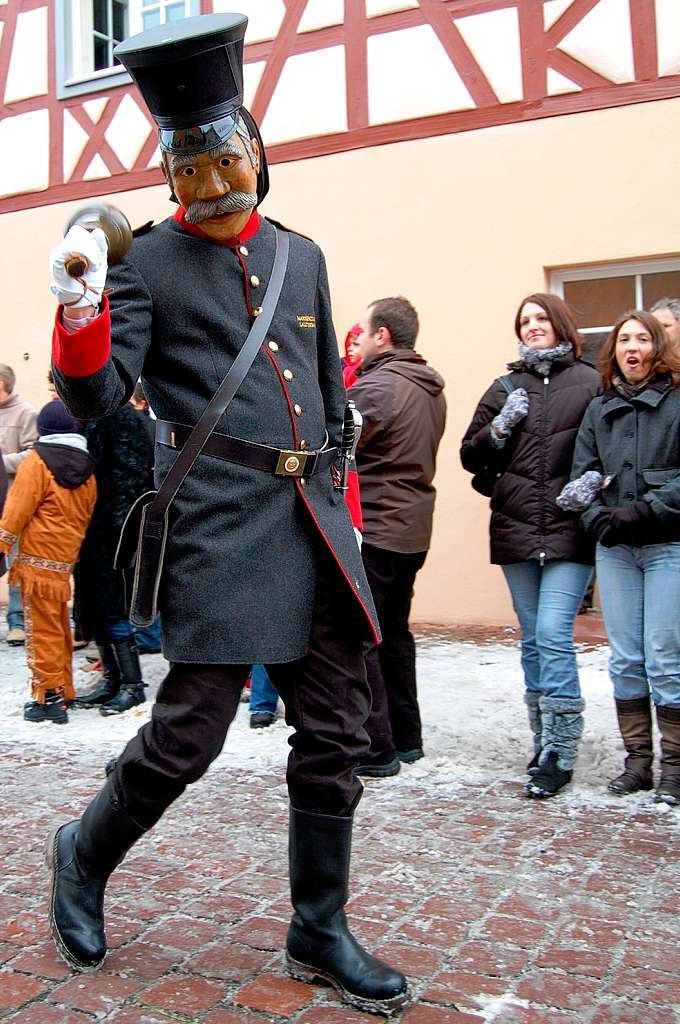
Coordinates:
(463, 225)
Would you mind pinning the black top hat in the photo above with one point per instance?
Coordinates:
(189, 72)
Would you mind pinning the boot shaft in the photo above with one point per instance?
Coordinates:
(105, 832)
(668, 721)
(635, 725)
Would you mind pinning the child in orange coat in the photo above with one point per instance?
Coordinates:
(47, 510)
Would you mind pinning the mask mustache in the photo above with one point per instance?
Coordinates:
(233, 202)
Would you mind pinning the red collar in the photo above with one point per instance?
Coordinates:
(251, 228)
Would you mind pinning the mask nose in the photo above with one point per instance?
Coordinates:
(212, 185)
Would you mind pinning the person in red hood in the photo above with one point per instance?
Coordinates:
(352, 360)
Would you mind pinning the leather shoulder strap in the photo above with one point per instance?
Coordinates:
(227, 389)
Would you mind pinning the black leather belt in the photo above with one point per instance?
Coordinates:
(280, 462)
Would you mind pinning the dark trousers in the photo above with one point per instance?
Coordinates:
(326, 698)
(394, 721)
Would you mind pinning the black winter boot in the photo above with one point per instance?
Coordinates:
(531, 699)
(561, 729)
(108, 685)
(319, 943)
(635, 725)
(80, 856)
(131, 688)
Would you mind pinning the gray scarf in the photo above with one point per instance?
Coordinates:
(541, 360)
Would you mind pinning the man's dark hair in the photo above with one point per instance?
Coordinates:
(398, 316)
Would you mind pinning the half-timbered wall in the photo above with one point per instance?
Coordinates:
(425, 184)
(323, 76)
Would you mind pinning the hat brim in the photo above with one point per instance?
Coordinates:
(199, 138)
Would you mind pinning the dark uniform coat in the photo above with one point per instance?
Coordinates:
(240, 565)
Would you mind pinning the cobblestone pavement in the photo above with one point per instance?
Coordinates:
(498, 908)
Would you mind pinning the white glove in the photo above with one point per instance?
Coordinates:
(86, 290)
(515, 409)
(359, 537)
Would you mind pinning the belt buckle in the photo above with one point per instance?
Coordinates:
(291, 464)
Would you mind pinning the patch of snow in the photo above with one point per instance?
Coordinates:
(474, 723)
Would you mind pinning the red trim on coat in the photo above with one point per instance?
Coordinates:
(301, 492)
(251, 228)
(353, 499)
(87, 349)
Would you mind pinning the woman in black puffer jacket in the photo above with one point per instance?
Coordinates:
(520, 445)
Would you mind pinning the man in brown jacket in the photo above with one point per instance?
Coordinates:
(401, 400)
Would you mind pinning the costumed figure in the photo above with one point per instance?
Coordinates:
(260, 510)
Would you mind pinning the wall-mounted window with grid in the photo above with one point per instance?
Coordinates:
(598, 295)
(88, 30)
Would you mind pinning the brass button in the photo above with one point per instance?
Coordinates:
(255, 281)
(292, 464)
(288, 374)
(242, 249)
(303, 444)
(273, 346)
(257, 310)
(298, 410)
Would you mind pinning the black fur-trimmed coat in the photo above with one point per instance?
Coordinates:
(123, 455)
(241, 560)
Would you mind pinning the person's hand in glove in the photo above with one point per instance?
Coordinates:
(80, 292)
(513, 412)
(579, 494)
(627, 524)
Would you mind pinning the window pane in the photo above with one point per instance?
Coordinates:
(119, 21)
(151, 18)
(600, 301)
(173, 12)
(100, 12)
(101, 54)
(660, 286)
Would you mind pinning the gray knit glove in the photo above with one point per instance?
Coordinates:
(579, 494)
(513, 412)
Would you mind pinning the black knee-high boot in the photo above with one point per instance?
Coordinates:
(131, 688)
(109, 683)
(319, 943)
(80, 856)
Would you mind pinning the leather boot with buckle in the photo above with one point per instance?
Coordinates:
(107, 687)
(131, 688)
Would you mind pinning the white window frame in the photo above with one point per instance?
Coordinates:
(72, 20)
(631, 268)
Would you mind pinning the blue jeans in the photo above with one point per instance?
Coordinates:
(263, 696)
(116, 629)
(149, 637)
(640, 593)
(546, 600)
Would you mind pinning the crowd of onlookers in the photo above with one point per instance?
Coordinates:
(582, 469)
